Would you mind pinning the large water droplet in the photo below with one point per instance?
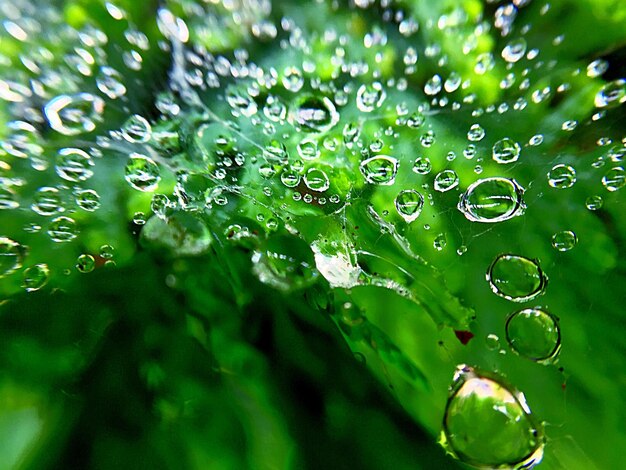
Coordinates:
(142, 172)
(614, 179)
(476, 133)
(506, 151)
(422, 166)
(11, 256)
(74, 165)
(47, 201)
(316, 180)
(62, 229)
(514, 50)
(74, 114)
(314, 114)
(612, 94)
(370, 96)
(516, 278)
(534, 334)
(35, 277)
(409, 204)
(562, 176)
(380, 169)
(137, 129)
(488, 424)
(492, 200)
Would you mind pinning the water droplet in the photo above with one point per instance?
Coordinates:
(594, 203)
(433, 86)
(370, 96)
(564, 240)
(597, 68)
(35, 277)
(484, 63)
(516, 278)
(47, 201)
(380, 169)
(614, 179)
(476, 133)
(87, 199)
(562, 176)
(74, 165)
(533, 333)
(85, 263)
(453, 82)
(137, 129)
(173, 28)
(492, 200)
(612, 94)
(290, 178)
(488, 424)
(8, 199)
(316, 180)
(446, 180)
(422, 166)
(62, 229)
(74, 114)
(307, 149)
(506, 151)
(109, 81)
(293, 79)
(440, 242)
(514, 50)
(409, 204)
(11, 256)
(416, 120)
(314, 114)
(142, 173)
(492, 341)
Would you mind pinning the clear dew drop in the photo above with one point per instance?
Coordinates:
(562, 176)
(11, 256)
(74, 165)
(47, 201)
(488, 424)
(564, 240)
(422, 166)
(109, 81)
(8, 199)
(446, 180)
(292, 79)
(534, 333)
(142, 173)
(308, 150)
(476, 133)
(514, 50)
(87, 199)
(380, 169)
(433, 85)
(370, 97)
(63, 229)
(453, 82)
(611, 95)
(409, 204)
(74, 114)
(85, 263)
(492, 342)
(35, 277)
(314, 114)
(137, 129)
(492, 200)
(516, 278)
(316, 180)
(614, 179)
(506, 151)
(594, 202)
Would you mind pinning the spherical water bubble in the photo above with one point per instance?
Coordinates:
(109, 81)
(137, 129)
(35, 277)
(369, 97)
(47, 201)
(87, 199)
(314, 114)
(492, 341)
(11, 256)
(422, 166)
(516, 278)
(380, 169)
(514, 50)
(492, 200)
(416, 120)
(293, 79)
(107, 251)
(440, 242)
(307, 149)
(74, 114)
(62, 229)
(506, 151)
(8, 199)
(409, 204)
(290, 178)
(446, 180)
(241, 103)
(564, 240)
(597, 68)
(611, 95)
(85, 263)
(142, 173)
(476, 133)
(484, 63)
(534, 334)
(594, 202)
(487, 424)
(562, 176)
(453, 82)
(316, 180)
(74, 165)
(274, 110)
(433, 85)
(614, 179)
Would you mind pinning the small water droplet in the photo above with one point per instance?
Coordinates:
(74, 114)
(380, 169)
(314, 114)
(446, 180)
(293, 79)
(11, 256)
(506, 151)
(409, 204)
(35, 277)
(533, 333)
(612, 94)
(47, 201)
(516, 278)
(74, 165)
(564, 240)
(142, 173)
(85, 263)
(316, 180)
(514, 50)
(422, 166)
(492, 341)
(62, 229)
(88, 200)
(562, 176)
(614, 179)
(492, 200)
(594, 202)
(370, 97)
(137, 129)
(476, 133)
